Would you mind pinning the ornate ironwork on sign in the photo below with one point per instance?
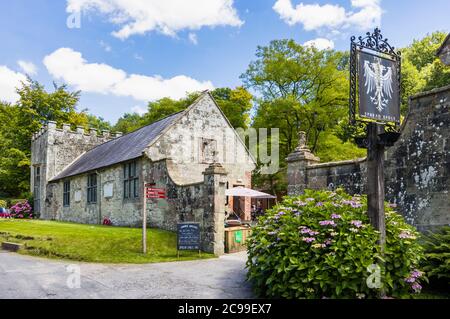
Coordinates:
(375, 76)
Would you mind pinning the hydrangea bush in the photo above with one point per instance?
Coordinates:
(22, 210)
(321, 245)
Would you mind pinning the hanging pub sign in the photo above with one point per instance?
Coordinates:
(378, 88)
(374, 79)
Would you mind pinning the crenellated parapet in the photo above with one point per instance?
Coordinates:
(52, 126)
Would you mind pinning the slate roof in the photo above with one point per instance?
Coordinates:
(122, 149)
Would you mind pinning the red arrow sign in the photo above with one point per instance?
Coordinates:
(156, 193)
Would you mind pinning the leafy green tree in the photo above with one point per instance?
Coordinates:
(98, 123)
(422, 70)
(300, 89)
(236, 105)
(35, 107)
(165, 107)
(128, 123)
(421, 53)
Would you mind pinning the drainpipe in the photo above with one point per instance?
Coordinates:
(99, 196)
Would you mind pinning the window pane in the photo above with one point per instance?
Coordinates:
(125, 189)
(136, 188)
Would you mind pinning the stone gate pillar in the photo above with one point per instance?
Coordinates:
(297, 163)
(213, 232)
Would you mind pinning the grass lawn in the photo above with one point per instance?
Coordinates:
(90, 243)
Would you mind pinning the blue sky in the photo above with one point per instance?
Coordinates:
(124, 55)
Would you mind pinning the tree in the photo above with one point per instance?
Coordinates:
(165, 107)
(301, 89)
(236, 104)
(98, 123)
(422, 70)
(19, 121)
(128, 123)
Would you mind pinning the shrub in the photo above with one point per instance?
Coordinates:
(3, 203)
(22, 210)
(107, 221)
(437, 253)
(321, 245)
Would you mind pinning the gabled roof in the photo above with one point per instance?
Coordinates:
(122, 149)
(446, 43)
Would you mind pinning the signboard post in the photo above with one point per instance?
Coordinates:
(144, 223)
(150, 193)
(375, 77)
(188, 237)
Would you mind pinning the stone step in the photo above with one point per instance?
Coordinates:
(14, 247)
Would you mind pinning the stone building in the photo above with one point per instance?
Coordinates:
(195, 155)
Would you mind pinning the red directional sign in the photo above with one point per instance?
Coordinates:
(157, 193)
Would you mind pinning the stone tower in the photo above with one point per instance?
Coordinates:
(52, 150)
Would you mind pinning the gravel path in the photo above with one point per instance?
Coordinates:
(38, 278)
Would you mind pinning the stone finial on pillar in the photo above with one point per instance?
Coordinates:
(213, 232)
(118, 134)
(298, 161)
(105, 133)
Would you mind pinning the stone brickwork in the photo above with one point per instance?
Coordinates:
(183, 160)
(52, 149)
(417, 167)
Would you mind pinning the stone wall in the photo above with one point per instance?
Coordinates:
(417, 167)
(53, 149)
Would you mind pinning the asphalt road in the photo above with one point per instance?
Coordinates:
(37, 278)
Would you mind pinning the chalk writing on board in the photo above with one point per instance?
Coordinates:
(188, 236)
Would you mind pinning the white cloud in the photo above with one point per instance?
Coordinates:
(139, 110)
(168, 16)
(193, 38)
(105, 46)
(9, 82)
(27, 67)
(70, 66)
(316, 16)
(320, 44)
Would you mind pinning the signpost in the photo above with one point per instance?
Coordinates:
(188, 237)
(375, 77)
(150, 193)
